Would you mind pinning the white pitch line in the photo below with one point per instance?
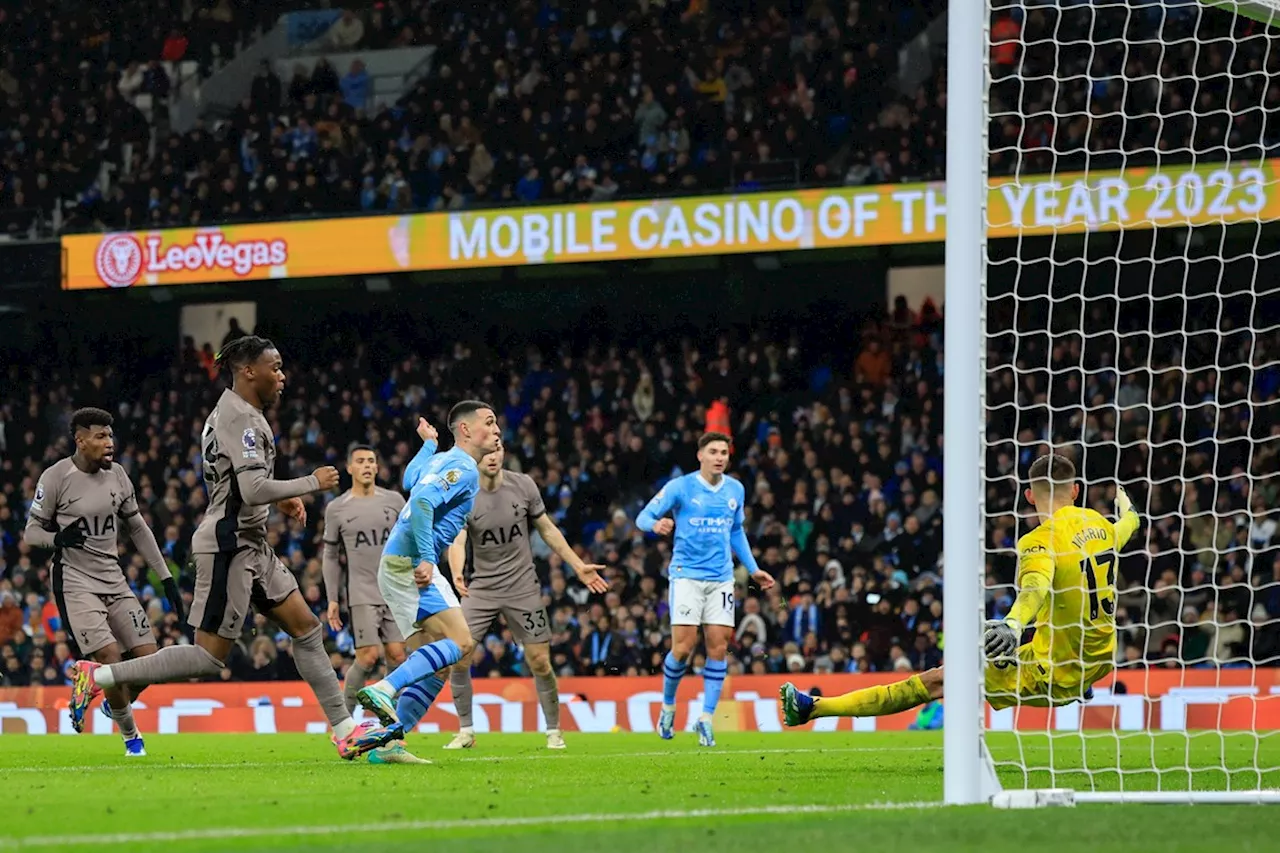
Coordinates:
(215, 833)
(141, 766)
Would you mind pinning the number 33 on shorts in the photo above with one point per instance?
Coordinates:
(536, 621)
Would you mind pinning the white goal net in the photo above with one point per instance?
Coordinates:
(1132, 324)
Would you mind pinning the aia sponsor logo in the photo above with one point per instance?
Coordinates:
(119, 260)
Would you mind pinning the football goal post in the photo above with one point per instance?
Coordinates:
(1113, 295)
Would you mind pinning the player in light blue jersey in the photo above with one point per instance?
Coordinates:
(706, 517)
(442, 489)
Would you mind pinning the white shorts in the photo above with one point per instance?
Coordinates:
(701, 602)
(409, 605)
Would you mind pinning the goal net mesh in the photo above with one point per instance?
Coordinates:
(1133, 324)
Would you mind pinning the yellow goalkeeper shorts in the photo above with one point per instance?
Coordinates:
(1040, 683)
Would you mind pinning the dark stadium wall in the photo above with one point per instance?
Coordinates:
(612, 305)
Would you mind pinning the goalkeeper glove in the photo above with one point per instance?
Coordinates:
(1124, 505)
(71, 536)
(1001, 638)
(174, 596)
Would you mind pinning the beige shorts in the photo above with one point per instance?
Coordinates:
(95, 620)
(373, 625)
(228, 583)
(526, 618)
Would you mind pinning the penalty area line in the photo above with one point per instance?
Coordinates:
(217, 833)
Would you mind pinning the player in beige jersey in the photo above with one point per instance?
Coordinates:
(77, 505)
(234, 564)
(503, 582)
(357, 524)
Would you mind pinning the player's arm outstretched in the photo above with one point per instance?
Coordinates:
(588, 573)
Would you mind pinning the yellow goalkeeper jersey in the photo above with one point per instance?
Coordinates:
(1074, 550)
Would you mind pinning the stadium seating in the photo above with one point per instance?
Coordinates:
(534, 103)
(526, 103)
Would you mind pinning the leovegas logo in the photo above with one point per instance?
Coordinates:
(118, 260)
(121, 259)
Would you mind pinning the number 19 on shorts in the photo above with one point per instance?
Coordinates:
(701, 602)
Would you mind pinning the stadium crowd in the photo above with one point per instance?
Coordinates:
(842, 464)
(526, 102)
(533, 102)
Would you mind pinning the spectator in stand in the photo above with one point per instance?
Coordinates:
(346, 33)
(266, 92)
(175, 46)
(356, 86)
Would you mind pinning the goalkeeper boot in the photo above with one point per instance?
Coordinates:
(364, 738)
(797, 707)
(667, 722)
(555, 739)
(464, 739)
(83, 691)
(395, 753)
(378, 702)
(706, 737)
(134, 748)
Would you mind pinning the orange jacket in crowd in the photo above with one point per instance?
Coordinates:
(718, 419)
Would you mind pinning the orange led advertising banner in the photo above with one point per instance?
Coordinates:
(794, 220)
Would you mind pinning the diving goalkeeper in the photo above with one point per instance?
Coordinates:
(1066, 589)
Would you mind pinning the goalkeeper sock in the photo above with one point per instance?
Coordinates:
(415, 700)
(712, 683)
(874, 701)
(424, 662)
(672, 672)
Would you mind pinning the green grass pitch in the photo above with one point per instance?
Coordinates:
(622, 792)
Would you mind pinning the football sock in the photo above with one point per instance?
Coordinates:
(425, 661)
(416, 699)
(712, 683)
(549, 698)
(672, 672)
(874, 701)
(315, 668)
(124, 721)
(356, 677)
(460, 685)
(173, 663)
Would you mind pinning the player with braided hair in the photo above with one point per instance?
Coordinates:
(235, 566)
